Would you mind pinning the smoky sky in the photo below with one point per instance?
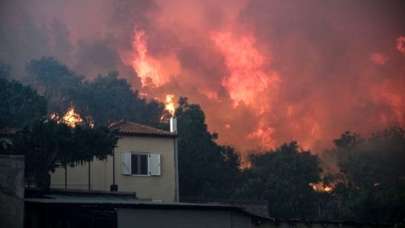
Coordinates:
(265, 72)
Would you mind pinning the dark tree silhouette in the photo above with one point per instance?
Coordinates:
(282, 177)
(207, 171)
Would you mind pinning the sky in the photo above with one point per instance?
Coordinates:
(264, 71)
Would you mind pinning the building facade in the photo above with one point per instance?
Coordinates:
(144, 162)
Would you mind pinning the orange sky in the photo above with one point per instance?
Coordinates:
(264, 71)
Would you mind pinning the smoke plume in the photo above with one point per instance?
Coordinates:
(265, 72)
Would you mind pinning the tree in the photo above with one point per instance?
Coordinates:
(105, 99)
(48, 144)
(108, 99)
(282, 177)
(207, 171)
(55, 81)
(374, 184)
(19, 105)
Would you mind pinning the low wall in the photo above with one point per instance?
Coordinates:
(11, 191)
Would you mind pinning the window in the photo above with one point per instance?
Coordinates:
(147, 164)
(139, 164)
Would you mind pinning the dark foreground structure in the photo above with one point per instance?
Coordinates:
(11, 190)
(111, 210)
(106, 211)
(61, 209)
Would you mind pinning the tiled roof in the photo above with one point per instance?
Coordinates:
(131, 128)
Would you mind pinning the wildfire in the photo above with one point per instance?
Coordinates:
(170, 104)
(142, 64)
(152, 71)
(321, 187)
(248, 85)
(264, 135)
(70, 118)
(248, 79)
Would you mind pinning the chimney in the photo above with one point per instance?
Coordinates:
(173, 125)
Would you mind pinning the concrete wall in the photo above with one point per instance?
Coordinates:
(155, 218)
(11, 191)
(161, 187)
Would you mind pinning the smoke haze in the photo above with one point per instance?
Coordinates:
(265, 72)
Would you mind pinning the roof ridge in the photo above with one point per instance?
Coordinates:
(132, 128)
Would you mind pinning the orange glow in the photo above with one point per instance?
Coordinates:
(252, 88)
(153, 71)
(321, 187)
(378, 58)
(247, 79)
(146, 67)
(142, 65)
(264, 134)
(72, 118)
(170, 104)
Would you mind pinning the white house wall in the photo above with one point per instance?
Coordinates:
(146, 187)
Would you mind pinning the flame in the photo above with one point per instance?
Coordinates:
(264, 135)
(247, 79)
(72, 118)
(146, 68)
(321, 187)
(246, 97)
(170, 104)
(250, 81)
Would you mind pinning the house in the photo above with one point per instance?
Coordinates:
(144, 162)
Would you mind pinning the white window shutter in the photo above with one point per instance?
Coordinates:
(154, 164)
(126, 163)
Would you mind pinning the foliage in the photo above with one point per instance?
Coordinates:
(369, 184)
(19, 105)
(48, 144)
(373, 188)
(56, 82)
(108, 99)
(105, 99)
(207, 171)
(282, 177)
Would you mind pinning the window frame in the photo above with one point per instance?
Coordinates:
(147, 163)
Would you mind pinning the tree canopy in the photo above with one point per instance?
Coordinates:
(105, 99)
(368, 183)
(109, 98)
(19, 105)
(208, 171)
(48, 144)
(282, 177)
(55, 81)
(373, 177)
